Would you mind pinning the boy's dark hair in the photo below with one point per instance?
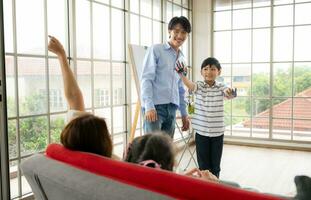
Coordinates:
(155, 146)
(183, 21)
(87, 133)
(211, 61)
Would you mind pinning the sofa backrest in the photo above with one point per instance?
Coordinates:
(95, 177)
(54, 180)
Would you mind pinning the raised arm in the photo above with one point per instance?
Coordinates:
(182, 71)
(189, 84)
(73, 93)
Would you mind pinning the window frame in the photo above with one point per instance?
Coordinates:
(271, 62)
(70, 46)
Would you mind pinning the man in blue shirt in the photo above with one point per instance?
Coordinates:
(162, 90)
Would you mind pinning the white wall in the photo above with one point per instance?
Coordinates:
(202, 34)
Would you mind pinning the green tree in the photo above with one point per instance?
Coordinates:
(281, 86)
(260, 88)
(302, 79)
(33, 130)
(57, 126)
(12, 138)
(33, 134)
(11, 106)
(34, 104)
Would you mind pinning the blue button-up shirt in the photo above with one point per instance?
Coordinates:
(160, 83)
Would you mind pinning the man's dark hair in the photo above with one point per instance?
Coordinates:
(211, 61)
(183, 21)
(154, 146)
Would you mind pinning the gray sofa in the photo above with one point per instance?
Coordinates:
(72, 175)
(54, 180)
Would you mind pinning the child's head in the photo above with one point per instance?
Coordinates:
(87, 133)
(210, 69)
(157, 147)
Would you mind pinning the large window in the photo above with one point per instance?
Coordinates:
(264, 50)
(95, 35)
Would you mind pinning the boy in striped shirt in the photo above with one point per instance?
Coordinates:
(208, 117)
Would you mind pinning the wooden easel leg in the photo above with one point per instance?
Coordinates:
(136, 116)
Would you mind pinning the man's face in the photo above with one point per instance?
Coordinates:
(177, 36)
(210, 72)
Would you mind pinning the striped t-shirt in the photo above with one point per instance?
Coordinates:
(208, 117)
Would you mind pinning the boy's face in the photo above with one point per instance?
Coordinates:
(178, 36)
(210, 72)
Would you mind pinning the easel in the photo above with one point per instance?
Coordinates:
(186, 148)
(137, 54)
(136, 64)
(136, 117)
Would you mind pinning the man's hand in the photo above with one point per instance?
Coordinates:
(185, 123)
(55, 46)
(151, 115)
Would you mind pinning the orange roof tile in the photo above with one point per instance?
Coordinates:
(301, 109)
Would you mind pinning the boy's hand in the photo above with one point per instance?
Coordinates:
(230, 93)
(151, 115)
(55, 46)
(180, 68)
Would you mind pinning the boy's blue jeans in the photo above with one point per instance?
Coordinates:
(166, 120)
(209, 152)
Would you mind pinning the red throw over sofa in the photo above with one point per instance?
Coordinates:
(117, 180)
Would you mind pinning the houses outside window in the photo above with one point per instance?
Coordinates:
(102, 97)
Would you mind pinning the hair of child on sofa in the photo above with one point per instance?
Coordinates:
(157, 150)
(87, 133)
(156, 147)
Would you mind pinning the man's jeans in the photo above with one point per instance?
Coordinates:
(166, 120)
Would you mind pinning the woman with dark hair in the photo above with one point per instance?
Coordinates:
(87, 133)
(84, 132)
